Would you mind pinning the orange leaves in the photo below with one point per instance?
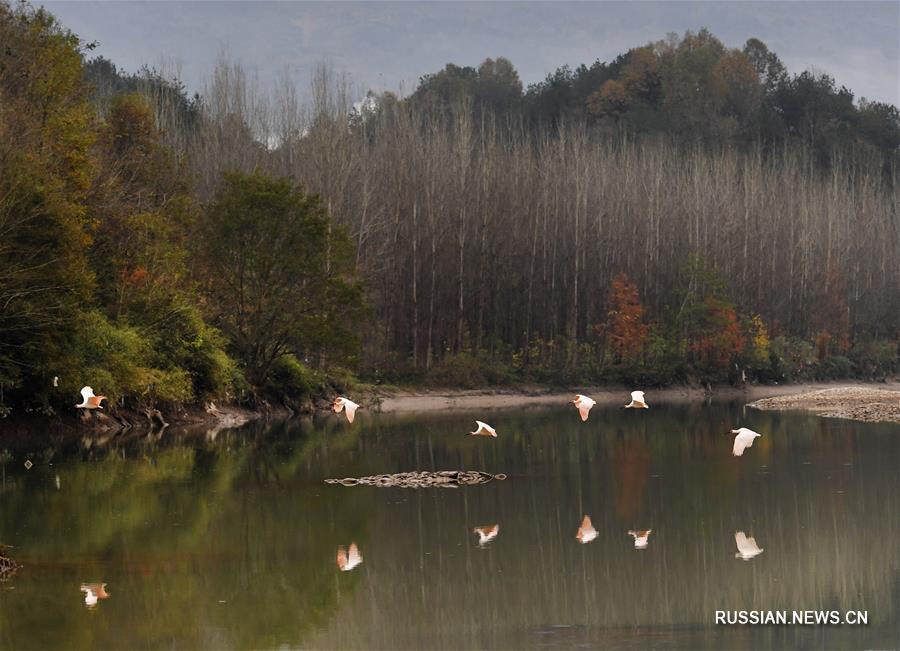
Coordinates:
(624, 329)
(135, 277)
(641, 74)
(610, 101)
(722, 338)
(737, 82)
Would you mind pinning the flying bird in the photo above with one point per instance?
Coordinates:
(349, 559)
(586, 532)
(486, 534)
(89, 400)
(641, 538)
(93, 592)
(637, 401)
(583, 404)
(747, 547)
(743, 440)
(56, 380)
(345, 403)
(483, 430)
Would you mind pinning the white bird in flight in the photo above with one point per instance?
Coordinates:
(93, 592)
(483, 430)
(743, 440)
(347, 404)
(641, 538)
(747, 547)
(89, 400)
(56, 380)
(347, 560)
(637, 401)
(486, 534)
(586, 532)
(90, 599)
(583, 404)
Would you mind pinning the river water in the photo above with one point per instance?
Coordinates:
(231, 539)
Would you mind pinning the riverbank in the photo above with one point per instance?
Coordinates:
(859, 401)
(521, 397)
(208, 418)
(869, 403)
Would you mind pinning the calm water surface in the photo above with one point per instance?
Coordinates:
(231, 541)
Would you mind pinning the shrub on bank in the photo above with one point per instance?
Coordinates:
(291, 382)
(664, 361)
(117, 360)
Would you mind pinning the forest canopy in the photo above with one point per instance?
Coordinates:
(687, 211)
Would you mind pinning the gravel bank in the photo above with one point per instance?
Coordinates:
(864, 403)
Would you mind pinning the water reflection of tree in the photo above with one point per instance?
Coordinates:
(249, 522)
(630, 463)
(695, 496)
(174, 530)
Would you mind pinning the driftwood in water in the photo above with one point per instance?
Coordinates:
(422, 479)
(8, 567)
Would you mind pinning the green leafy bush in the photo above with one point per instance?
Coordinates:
(290, 381)
(116, 361)
(876, 360)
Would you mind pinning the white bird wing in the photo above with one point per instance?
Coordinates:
(586, 532)
(637, 396)
(640, 537)
(351, 409)
(87, 393)
(354, 558)
(487, 533)
(742, 441)
(746, 546)
(584, 408)
(482, 426)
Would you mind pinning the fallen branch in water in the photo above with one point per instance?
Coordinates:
(422, 479)
(8, 567)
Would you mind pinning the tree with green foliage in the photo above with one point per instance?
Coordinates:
(93, 283)
(45, 175)
(493, 86)
(707, 321)
(276, 274)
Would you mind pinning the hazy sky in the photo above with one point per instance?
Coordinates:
(389, 45)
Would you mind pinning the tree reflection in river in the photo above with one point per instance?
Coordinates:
(231, 542)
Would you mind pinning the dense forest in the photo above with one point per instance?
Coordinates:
(687, 212)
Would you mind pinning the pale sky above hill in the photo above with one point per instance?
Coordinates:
(389, 45)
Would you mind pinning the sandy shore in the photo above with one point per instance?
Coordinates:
(871, 403)
(439, 400)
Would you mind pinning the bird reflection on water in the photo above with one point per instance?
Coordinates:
(93, 592)
(207, 521)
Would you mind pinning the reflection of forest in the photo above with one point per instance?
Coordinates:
(232, 543)
(174, 531)
(823, 504)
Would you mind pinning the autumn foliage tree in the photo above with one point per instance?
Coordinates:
(720, 338)
(45, 175)
(707, 320)
(831, 317)
(624, 330)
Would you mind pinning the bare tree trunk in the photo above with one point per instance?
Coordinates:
(415, 277)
